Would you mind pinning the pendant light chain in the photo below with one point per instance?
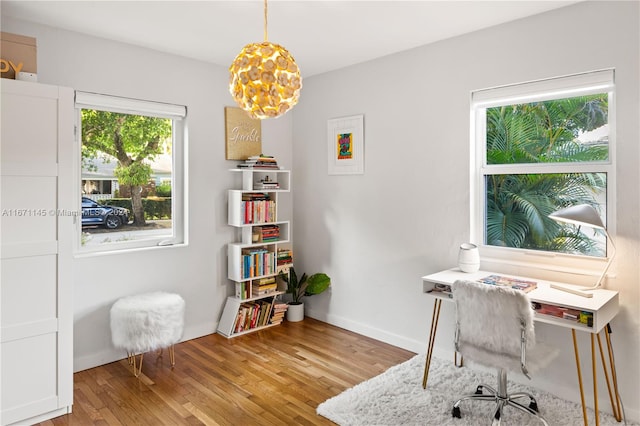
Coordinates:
(265, 21)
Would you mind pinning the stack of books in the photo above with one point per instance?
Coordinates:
(284, 260)
(259, 162)
(267, 234)
(279, 308)
(264, 286)
(266, 182)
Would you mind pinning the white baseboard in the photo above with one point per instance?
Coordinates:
(367, 330)
(112, 354)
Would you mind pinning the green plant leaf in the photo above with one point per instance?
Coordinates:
(317, 283)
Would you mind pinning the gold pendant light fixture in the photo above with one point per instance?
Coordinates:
(264, 79)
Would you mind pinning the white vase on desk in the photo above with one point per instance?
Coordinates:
(469, 258)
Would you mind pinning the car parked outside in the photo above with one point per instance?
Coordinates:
(96, 214)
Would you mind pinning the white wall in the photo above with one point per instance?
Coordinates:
(197, 271)
(376, 234)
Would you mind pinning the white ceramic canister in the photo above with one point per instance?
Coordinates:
(469, 258)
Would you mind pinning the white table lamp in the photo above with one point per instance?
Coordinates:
(583, 215)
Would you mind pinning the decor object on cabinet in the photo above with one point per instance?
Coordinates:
(306, 286)
(345, 145)
(19, 55)
(468, 258)
(147, 322)
(584, 215)
(243, 134)
(255, 261)
(265, 80)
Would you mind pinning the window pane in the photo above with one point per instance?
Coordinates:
(557, 131)
(518, 205)
(127, 176)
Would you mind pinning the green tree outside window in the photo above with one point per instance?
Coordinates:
(518, 205)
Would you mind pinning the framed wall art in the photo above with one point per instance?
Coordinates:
(345, 141)
(243, 134)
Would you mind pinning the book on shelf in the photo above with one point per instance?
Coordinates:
(516, 283)
(256, 262)
(264, 291)
(261, 185)
(239, 325)
(266, 233)
(257, 208)
(284, 260)
(259, 162)
(241, 290)
(266, 183)
(279, 308)
(265, 310)
(265, 287)
(445, 289)
(570, 314)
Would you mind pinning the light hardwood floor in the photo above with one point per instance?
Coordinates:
(277, 376)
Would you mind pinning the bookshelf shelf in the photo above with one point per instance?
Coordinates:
(253, 261)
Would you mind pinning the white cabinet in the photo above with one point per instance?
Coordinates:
(37, 207)
(256, 259)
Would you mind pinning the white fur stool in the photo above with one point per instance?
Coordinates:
(147, 322)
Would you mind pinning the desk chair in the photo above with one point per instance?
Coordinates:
(494, 327)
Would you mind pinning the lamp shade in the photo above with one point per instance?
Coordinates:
(582, 214)
(264, 80)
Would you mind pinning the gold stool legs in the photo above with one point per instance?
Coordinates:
(172, 355)
(432, 338)
(131, 358)
(137, 368)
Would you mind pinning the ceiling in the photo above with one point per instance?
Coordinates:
(321, 35)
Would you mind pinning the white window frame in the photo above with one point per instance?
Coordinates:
(602, 81)
(176, 113)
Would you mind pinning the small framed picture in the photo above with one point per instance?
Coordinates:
(345, 142)
(243, 134)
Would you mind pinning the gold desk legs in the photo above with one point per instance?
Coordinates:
(594, 373)
(613, 381)
(615, 406)
(432, 338)
(575, 350)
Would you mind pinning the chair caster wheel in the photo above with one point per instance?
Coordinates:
(455, 412)
(479, 390)
(534, 406)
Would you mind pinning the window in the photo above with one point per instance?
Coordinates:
(132, 173)
(539, 147)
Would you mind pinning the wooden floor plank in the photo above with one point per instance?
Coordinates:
(276, 376)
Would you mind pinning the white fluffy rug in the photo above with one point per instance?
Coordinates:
(396, 397)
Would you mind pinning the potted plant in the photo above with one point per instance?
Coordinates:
(305, 286)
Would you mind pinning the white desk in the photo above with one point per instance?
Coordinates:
(603, 306)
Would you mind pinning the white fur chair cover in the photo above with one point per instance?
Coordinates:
(147, 322)
(488, 322)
